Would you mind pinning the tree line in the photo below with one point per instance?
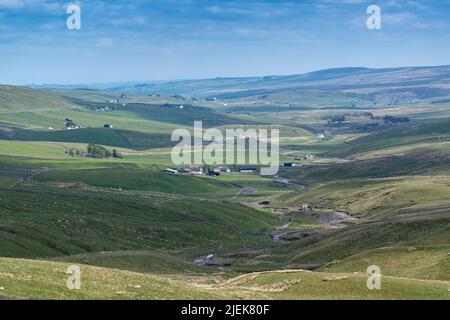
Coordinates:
(95, 151)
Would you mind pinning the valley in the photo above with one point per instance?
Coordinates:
(358, 185)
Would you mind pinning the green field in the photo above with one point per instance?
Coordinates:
(141, 180)
(113, 138)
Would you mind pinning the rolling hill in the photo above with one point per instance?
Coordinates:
(382, 84)
(362, 192)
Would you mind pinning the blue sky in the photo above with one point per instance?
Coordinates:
(180, 39)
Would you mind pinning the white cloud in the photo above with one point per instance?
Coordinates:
(38, 5)
(135, 21)
(399, 18)
(258, 9)
(417, 5)
(353, 1)
(11, 4)
(392, 3)
(214, 9)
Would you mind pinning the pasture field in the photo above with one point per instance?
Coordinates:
(141, 180)
(103, 136)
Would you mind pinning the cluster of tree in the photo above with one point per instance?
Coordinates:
(362, 114)
(178, 97)
(343, 117)
(391, 119)
(338, 119)
(96, 151)
(75, 152)
(70, 123)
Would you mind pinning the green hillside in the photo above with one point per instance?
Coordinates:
(140, 180)
(422, 262)
(66, 219)
(47, 280)
(13, 99)
(103, 136)
(40, 110)
(183, 114)
(375, 197)
(435, 132)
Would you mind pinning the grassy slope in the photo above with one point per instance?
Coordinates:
(154, 261)
(375, 198)
(425, 162)
(41, 150)
(185, 116)
(422, 262)
(402, 135)
(398, 185)
(13, 99)
(43, 154)
(68, 220)
(141, 180)
(109, 137)
(38, 279)
(318, 250)
(392, 172)
(39, 109)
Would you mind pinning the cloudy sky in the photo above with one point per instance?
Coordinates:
(123, 40)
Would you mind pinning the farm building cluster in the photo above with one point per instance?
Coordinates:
(197, 170)
(71, 125)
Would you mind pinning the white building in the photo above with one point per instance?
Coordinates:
(320, 136)
(171, 171)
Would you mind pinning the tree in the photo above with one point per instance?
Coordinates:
(338, 119)
(116, 154)
(96, 151)
(391, 119)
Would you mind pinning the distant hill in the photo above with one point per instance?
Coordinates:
(388, 84)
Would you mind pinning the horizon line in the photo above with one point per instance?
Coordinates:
(99, 83)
